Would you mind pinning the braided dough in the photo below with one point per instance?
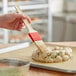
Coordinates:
(56, 54)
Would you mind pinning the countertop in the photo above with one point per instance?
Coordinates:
(37, 71)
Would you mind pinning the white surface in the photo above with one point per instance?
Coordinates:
(38, 6)
(5, 10)
(57, 5)
(14, 47)
(49, 21)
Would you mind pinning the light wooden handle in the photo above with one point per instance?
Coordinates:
(30, 29)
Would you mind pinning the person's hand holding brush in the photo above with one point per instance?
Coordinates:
(13, 21)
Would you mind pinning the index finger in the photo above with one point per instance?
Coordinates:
(28, 19)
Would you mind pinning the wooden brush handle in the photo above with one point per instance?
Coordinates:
(30, 29)
(34, 35)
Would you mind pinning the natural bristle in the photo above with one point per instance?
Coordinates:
(35, 36)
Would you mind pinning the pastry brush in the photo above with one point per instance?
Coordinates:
(33, 34)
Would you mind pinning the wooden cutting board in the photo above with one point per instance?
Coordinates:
(25, 54)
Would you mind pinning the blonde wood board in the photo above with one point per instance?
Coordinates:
(25, 54)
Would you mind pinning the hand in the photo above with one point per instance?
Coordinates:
(13, 21)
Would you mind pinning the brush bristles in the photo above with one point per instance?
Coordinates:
(35, 36)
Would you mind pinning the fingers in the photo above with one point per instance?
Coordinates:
(19, 25)
(20, 16)
(28, 19)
